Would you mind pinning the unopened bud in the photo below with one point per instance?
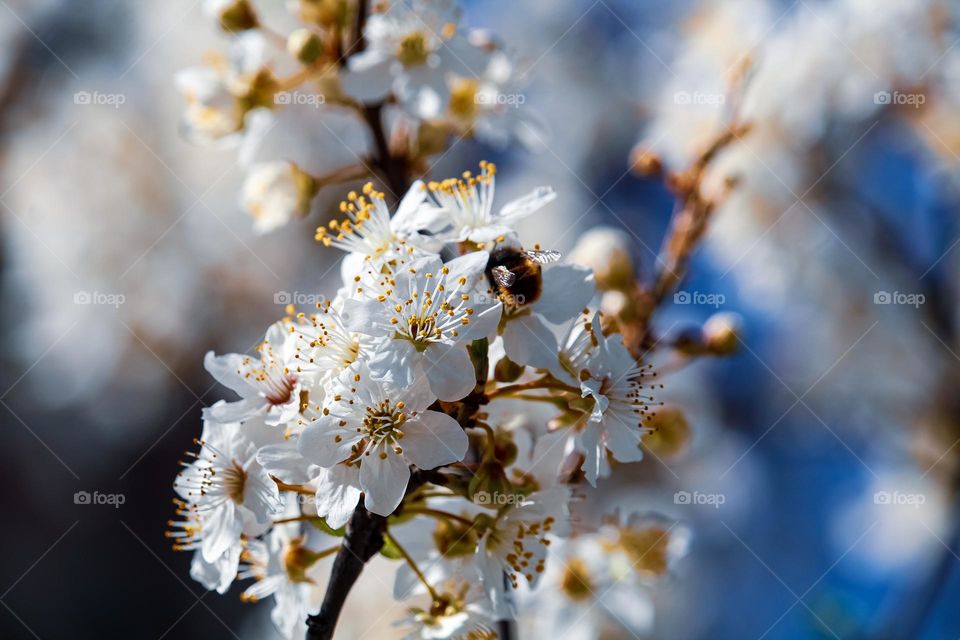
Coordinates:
(431, 138)
(721, 333)
(645, 162)
(454, 539)
(234, 15)
(305, 46)
(606, 250)
(326, 13)
(488, 483)
(507, 370)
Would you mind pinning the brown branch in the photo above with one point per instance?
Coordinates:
(363, 540)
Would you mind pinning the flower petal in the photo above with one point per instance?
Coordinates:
(338, 492)
(449, 370)
(319, 442)
(432, 439)
(527, 340)
(368, 78)
(384, 481)
(285, 462)
(567, 289)
(524, 206)
(369, 317)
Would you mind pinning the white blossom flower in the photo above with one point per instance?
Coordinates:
(617, 393)
(215, 111)
(489, 106)
(223, 493)
(462, 611)
(268, 386)
(411, 46)
(372, 237)
(516, 544)
(382, 427)
(285, 567)
(428, 312)
(275, 192)
(324, 346)
(468, 201)
(337, 489)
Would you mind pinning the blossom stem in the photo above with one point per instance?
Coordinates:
(438, 513)
(529, 386)
(413, 565)
(296, 488)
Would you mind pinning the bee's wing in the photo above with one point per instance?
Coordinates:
(503, 276)
(543, 257)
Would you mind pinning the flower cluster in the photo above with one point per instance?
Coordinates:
(400, 395)
(408, 68)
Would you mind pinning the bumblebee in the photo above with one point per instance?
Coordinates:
(515, 273)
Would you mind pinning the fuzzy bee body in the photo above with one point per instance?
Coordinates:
(516, 274)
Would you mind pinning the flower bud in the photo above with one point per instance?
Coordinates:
(431, 138)
(606, 250)
(645, 162)
(490, 486)
(454, 539)
(305, 46)
(297, 559)
(721, 333)
(671, 433)
(507, 370)
(326, 13)
(234, 15)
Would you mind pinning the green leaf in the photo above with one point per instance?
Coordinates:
(321, 524)
(389, 550)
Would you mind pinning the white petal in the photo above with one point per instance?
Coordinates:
(432, 439)
(260, 494)
(483, 323)
(567, 289)
(226, 370)
(527, 340)
(221, 530)
(590, 443)
(217, 575)
(449, 370)
(522, 207)
(338, 492)
(384, 481)
(368, 78)
(623, 439)
(369, 317)
(318, 442)
(470, 266)
(239, 411)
